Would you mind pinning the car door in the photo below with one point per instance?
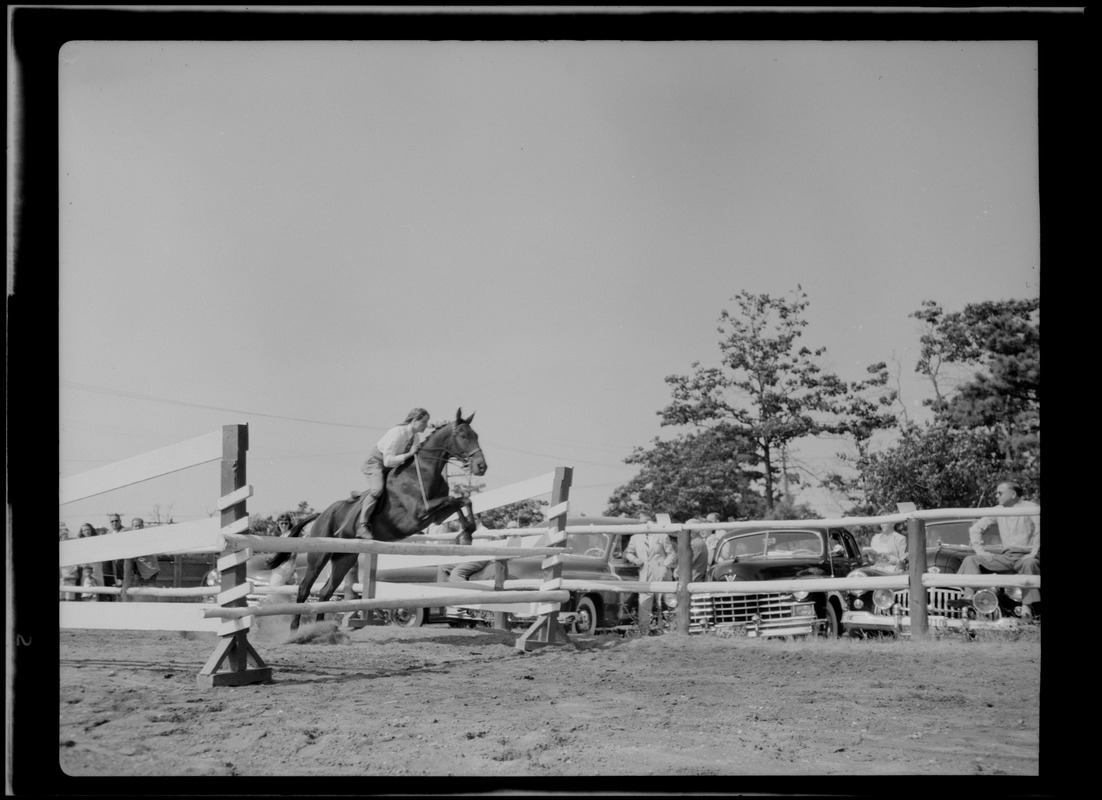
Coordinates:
(845, 555)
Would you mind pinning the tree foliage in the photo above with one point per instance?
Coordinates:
(1002, 340)
(690, 476)
(934, 466)
(771, 391)
(986, 428)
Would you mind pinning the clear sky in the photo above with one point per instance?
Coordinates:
(312, 238)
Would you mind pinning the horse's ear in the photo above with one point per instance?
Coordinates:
(468, 419)
(459, 417)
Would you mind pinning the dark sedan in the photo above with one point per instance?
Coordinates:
(777, 554)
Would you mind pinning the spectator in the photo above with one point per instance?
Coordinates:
(70, 575)
(655, 556)
(461, 572)
(115, 523)
(284, 574)
(712, 538)
(1021, 540)
(888, 548)
(699, 549)
(144, 569)
(88, 576)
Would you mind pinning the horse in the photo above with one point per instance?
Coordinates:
(416, 494)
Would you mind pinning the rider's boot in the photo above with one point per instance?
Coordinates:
(362, 530)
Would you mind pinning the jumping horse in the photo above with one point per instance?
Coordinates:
(416, 494)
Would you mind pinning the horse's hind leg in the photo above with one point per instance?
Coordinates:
(315, 562)
(341, 563)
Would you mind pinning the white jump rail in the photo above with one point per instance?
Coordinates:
(229, 445)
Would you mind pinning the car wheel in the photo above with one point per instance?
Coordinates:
(406, 617)
(585, 618)
(833, 628)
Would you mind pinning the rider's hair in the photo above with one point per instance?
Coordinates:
(415, 414)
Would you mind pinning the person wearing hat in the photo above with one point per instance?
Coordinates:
(398, 445)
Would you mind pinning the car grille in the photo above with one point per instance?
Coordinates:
(937, 604)
(710, 610)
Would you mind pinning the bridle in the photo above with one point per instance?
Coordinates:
(463, 458)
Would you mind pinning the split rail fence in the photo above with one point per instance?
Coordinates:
(235, 661)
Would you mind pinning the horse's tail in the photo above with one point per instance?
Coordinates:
(275, 559)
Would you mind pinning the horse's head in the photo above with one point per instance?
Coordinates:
(464, 444)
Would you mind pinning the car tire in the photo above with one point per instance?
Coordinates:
(406, 617)
(585, 618)
(833, 627)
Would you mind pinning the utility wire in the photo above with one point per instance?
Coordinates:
(120, 393)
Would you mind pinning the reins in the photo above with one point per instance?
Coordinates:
(447, 457)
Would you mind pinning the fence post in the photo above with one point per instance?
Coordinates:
(501, 570)
(916, 548)
(547, 629)
(233, 648)
(684, 575)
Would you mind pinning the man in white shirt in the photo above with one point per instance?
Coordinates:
(398, 445)
(1021, 539)
(655, 556)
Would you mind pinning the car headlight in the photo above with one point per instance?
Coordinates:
(857, 573)
(213, 578)
(985, 601)
(800, 595)
(1014, 593)
(934, 570)
(883, 598)
(670, 600)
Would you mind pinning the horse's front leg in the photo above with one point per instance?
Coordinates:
(468, 520)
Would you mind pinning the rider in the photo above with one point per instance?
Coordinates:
(398, 445)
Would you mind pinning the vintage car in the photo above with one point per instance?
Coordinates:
(947, 544)
(596, 556)
(777, 554)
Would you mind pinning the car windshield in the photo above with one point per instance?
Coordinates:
(588, 544)
(780, 544)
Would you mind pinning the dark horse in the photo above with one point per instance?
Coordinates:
(401, 510)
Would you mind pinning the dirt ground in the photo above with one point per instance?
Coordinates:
(441, 701)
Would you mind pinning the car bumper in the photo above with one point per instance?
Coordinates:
(752, 631)
(869, 621)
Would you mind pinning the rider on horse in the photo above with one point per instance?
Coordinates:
(398, 445)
